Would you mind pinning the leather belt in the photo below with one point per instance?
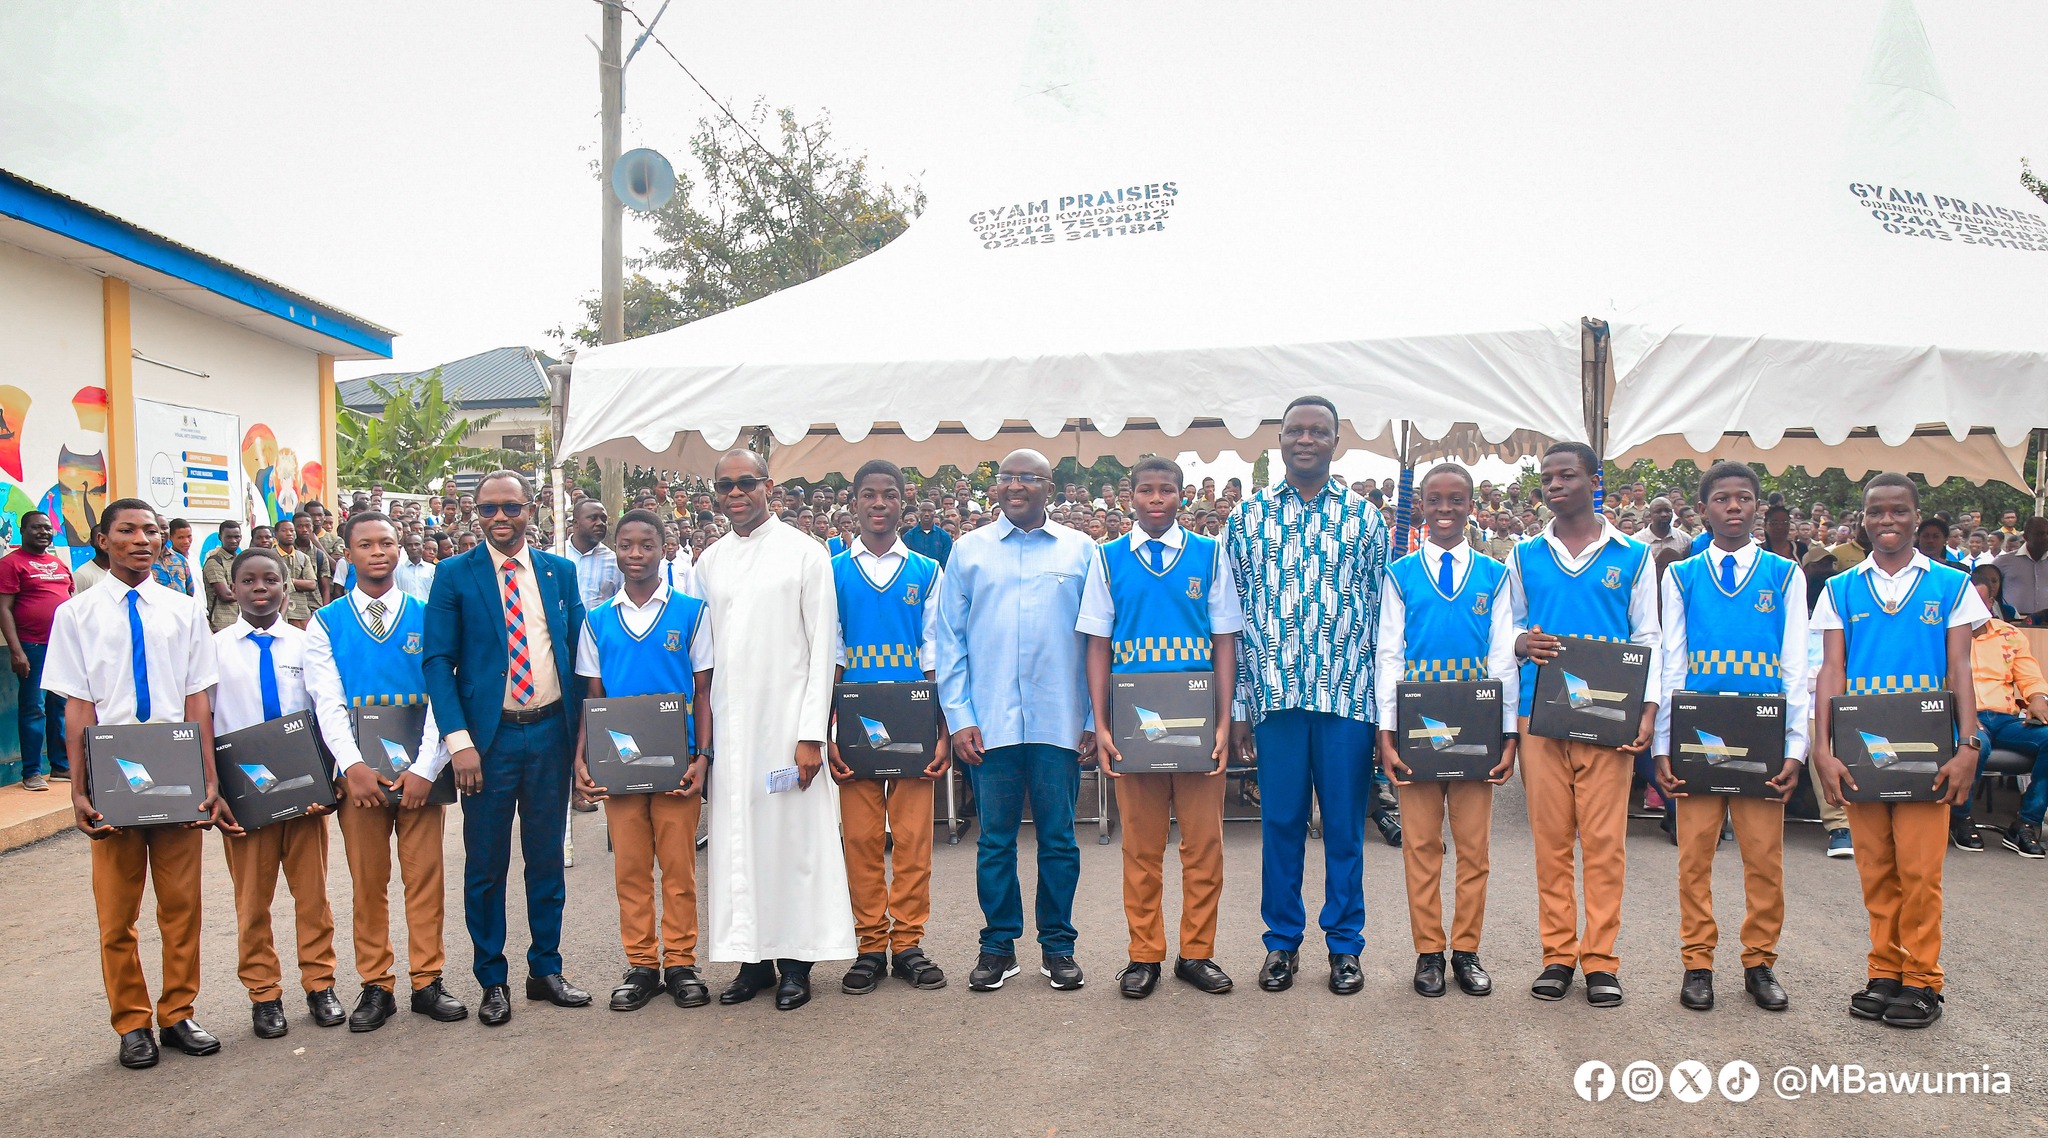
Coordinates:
(527, 715)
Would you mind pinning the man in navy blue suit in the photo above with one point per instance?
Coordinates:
(502, 626)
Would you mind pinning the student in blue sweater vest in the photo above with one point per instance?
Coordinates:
(1898, 622)
(1442, 619)
(1734, 622)
(650, 639)
(1580, 577)
(888, 616)
(1160, 600)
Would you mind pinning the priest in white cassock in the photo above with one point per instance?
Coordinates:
(778, 876)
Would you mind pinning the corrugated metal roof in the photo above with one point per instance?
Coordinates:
(501, 377)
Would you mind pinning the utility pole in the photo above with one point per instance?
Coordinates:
(611, 76)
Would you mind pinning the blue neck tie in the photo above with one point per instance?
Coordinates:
(1158, 555)
(1728, 572)
(1443, 576)
(138, 657)
(267, 667)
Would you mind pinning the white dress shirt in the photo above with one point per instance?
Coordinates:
(1891, 590)
(330, 699)
(1644, 628)
(90, 650)
(238, 697)
(540, 644)
(678, 573)
(1391, 653)
(1792, 658)
(880, 571)
(1098, 611)
(415, 578)
(638, 619)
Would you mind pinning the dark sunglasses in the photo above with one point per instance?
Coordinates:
(745, 485)
(493, 509)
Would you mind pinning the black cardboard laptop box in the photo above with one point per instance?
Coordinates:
(145, 774)
(1164, 722)
(1727, 744)
(1592, 692)
(1448, 731)
(888, 730)
(274, 771)
(637, 744)
(389, 738)
(1894, 744)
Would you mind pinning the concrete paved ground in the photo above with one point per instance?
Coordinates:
(1030, 1061)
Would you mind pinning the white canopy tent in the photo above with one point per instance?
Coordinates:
(1413, 217)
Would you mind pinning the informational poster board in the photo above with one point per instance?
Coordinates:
(189, 461)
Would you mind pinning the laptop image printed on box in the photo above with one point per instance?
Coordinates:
(1442, 737)
(267, 782)
(1719, 753)
(631, 755)
(139, 781)
(1159, 730)
(1887, 755)
(1583, 697)
(878, 739)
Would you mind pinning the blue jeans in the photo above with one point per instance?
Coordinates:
(1303, 753)
(526, 772)
(2014, 733)
(40, 716)
(1050, 777)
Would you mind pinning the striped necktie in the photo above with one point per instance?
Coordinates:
(376, 611)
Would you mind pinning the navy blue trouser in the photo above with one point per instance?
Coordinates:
(1304, 753)
(526, 773)
(40, 717)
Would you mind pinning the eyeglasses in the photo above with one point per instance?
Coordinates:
(1008, 478)
(745, 484)
(493, 509)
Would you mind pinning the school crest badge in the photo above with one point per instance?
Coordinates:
(412, 643)
(674, 643)
(1479, 605)
(1766, 600)
(1613, 578)
(1931, 614)
(1194, 588)
(910, 593)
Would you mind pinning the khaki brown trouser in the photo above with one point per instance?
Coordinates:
(1468, 803)
(889, 911)
(1900, 850)
(121, 864)
(1759, 825)
(649, 830)
(366, 838)
(1577, 793)
(1149, 804)
(299, 848)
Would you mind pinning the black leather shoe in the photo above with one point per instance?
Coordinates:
(495, 1009)
(1390, 827)
(266, 1018)
(865, 975)
(326, 1008)
(1429, 974)
(1061, 972)
(792, 993)
(640, 985)
(187, 1036)
(138, 1049)
(434, 1002)
(1346, 977)
(1913, 1007)
(1472, 979)
(1277, 973)
(748, 984)
(1697, 992)
(556, 991)
(373, 1007)
(990, 970)
(1203, 974)
(686, 986)
(1764, 988)
(1137, 980)
(1876, 995)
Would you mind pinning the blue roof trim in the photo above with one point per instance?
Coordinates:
(47, 209)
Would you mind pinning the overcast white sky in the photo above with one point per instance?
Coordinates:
(426, 163)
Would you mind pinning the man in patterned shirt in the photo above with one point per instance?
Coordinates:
(1308, 557)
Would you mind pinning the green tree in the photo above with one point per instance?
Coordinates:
(2034, 184)
(754, 221)
(417, 441)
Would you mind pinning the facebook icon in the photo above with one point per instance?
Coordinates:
(1594, 1081)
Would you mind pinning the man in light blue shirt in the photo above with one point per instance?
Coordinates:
(415, 574)
(597, 567)
(1013, 682)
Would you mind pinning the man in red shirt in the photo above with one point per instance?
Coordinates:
(33, 582)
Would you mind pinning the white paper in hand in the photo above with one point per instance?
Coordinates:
(784, 779)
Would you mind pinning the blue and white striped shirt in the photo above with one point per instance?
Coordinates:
(1308, 575)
